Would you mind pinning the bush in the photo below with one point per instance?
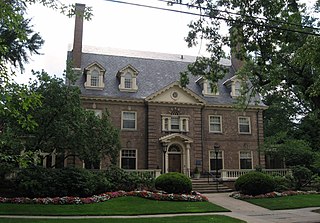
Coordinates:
(41, 182)
(301, 175)
(255, 183)
(282, 183)
(127, 181)
(176, 183)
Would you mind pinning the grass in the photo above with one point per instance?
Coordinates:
(180, 219)
(289, 202)
(118, 206)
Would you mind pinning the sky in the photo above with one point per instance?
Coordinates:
(113, 25)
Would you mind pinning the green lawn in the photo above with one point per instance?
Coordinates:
(182, 219)
(290, 202)
(117, 206)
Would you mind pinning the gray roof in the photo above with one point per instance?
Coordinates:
(156, 71)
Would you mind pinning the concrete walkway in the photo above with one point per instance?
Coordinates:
(239, 209)
(255, 214)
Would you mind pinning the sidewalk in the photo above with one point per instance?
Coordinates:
(255, 214)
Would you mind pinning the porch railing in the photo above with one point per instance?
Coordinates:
(153, 173)
(233, 174)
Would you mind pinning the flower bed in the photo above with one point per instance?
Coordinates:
(159, 196)
(274, 194)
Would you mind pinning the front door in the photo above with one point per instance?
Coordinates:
(174, 163)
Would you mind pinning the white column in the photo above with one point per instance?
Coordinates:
(188, 158)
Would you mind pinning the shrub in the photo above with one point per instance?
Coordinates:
(41, 182)
(35, 181)
(74, 182)
(255, 183)
(301, 175)
(282, 183)
(128, 181)
(176, 183)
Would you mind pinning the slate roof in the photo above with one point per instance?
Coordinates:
(156, 71)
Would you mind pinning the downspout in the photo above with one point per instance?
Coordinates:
(258, 138)
(146, 133)
(202, 132)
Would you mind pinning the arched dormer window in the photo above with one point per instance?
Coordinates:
(208, 88)
(128, 79)
(235, 85)
(94, 76)
(237, 88)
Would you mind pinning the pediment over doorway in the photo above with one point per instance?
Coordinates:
(175, 137)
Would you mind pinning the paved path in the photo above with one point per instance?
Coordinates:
(255, 214)
(239, 209)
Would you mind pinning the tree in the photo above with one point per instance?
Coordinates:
(17, 42)
(274, 40)
(62, 126)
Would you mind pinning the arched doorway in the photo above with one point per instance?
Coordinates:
(174, 158)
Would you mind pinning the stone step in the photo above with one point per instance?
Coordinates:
(203, 186)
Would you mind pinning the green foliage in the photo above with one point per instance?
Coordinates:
(255, 183)
(177, 183)
(128, 181)
(301, 175)
(293, 151)
(282, 183)
(315, 183)
(41, 182)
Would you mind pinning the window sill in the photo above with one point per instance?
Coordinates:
(129, 130)
(244, 133)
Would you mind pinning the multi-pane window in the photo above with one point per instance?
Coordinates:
(245, 160)
(129, 120)
(237, 88)
(244, 125)
(95, 78)
(128, 81)
(215, 124)
(212, 88)
(175, 123)
(129, 159)
(215, 162)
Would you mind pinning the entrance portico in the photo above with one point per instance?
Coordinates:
(176, 157)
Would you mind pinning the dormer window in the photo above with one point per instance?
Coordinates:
(236, 89)
(94, 77)
(212, 89)
(128, 79)
(235, 86)
(208, 88)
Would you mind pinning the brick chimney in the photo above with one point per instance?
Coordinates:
(236, 43)
(77, 38)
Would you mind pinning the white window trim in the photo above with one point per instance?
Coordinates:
(134, 86)
(244, 133)
(136, 123)
(205, 89)
(88, 85)
(251, 154)
(220, 123)
(97, 112)
(222, 157)
(53, 158)
(136, 157)
(181, 119)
